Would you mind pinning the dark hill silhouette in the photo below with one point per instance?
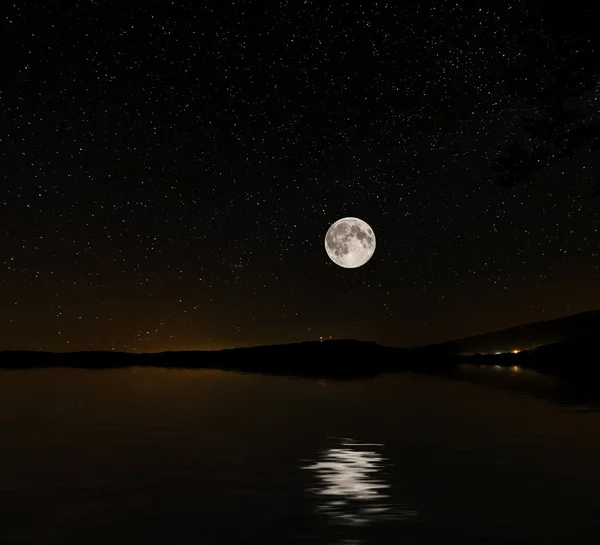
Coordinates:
(574, 357)
(338, 358)
(522, 337)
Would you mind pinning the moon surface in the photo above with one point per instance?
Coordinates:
(350, 242)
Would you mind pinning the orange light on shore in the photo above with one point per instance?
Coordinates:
(515, 368)
(515, 351)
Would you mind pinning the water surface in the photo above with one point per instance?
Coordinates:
(148, 455)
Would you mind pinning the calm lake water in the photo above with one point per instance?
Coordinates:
(145, 456)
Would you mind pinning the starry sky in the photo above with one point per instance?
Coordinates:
(169, 171)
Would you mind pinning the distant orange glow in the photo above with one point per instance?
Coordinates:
(515, 368)
(515, 351)
(174, 347)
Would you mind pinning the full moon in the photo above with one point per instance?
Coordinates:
(350, 243)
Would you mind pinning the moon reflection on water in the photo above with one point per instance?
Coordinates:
(352, 490)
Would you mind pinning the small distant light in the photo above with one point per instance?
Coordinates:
(515, 351)
(515, 368)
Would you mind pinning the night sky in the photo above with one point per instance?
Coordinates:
(168, 171)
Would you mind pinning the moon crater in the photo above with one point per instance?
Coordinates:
(350, 242)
